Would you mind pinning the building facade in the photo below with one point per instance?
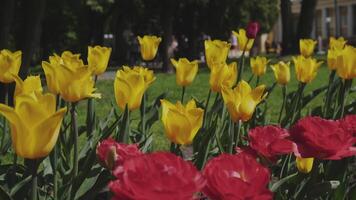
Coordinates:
(325, 21)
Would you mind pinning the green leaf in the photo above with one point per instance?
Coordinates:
(20, 185)
(277, 184)
(306, 99)
(4, 195)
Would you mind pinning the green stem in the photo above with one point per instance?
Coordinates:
(221, 129)
(206, 108)
(232, 135)
(143, 114)
(55, 178)
(75, 139)
(257, 80)
(284, 94)
(237, 134)
(285, 165)
(329, 94)
(242, 61)
(250, 79)
(297, 97)
(345, 90)
(183, 92)
(90, 121)
(126, 130)
(34, 168)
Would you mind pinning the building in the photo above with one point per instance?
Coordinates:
(324, 21)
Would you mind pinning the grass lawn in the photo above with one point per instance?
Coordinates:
(199, 89)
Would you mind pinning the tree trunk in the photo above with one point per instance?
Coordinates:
(6, 18)
(287, 27)
(167, 25)
(32, 28)
(306, 19)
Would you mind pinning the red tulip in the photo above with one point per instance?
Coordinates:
(348, 123)
(270, 141)
(322, 139)
(236, 177)
(159, 175)
(252, 29)
(112, 154)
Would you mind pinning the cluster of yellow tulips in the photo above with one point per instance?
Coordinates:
(36, 117)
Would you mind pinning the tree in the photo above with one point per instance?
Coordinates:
(306, 19)
(6, 19)
(287, 27)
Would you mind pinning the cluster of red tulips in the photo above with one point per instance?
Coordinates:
(244, 175)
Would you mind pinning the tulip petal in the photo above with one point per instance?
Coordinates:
(166, 106)
(257, 93)
(18, 129)
(45, 135)
(178, 128)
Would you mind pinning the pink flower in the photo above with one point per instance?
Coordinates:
(156, 176)
(270, 142)
(322, 139)
(236, 177)
(252, 29)
(112, 154)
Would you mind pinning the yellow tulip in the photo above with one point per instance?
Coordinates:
(70, 60)
(34, 123)
(222, 75)
(71, 81)
(98, 59)
(281, 72)
(306, 68)
(148, 75)
(29, 85)
(244, 42)
(304, 165)
(216, 51)
(185, 71)
(55, 66)
(241, 101)
(259, 65)
(181, 123)
(149, 46)
(338, 43)
(130, 85)
(9, 65)
(346, 63)
(332, 58)
(306, 47)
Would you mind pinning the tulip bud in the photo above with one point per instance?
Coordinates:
(106, 153)
(252, 29)
(112, 154)
(304, 165)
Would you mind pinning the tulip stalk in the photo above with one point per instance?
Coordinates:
(297, 97)
(328, 93)
(284, 94)
(125, 127)
(232, 135)
(75, 139)
(237, 134)
(206, 108)
(143, 114)
(346, 85)
(90, 121)
(183, 92)
(34, 167)
(242, 61)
